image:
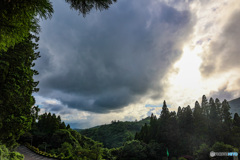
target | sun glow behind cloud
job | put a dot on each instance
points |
(185, 82)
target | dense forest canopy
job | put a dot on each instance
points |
(194, 131)
(115, 134)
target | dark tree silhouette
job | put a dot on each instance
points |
(85, 6)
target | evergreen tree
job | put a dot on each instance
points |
(205, 106)
(183, 133)
(179, 112)
(227, 122)
(200, 125)
(226, 115)
(218, 105)
(197, 113)
(165, 112)
(153, 126)
(163, 125)
(62, 126)
(214, 123)
(236, 120)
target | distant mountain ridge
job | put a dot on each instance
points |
(235, 106)
(114, 134)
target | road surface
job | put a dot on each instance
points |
(30, 155)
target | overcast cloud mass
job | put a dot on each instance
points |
(111, 64)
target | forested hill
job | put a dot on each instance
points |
(235, 106)
(115, 134)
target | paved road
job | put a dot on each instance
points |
(30, 155)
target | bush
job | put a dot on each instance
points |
(203, 152)
(5, 154)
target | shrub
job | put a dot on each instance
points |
(5, 154)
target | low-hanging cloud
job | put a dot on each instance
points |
(107, 60)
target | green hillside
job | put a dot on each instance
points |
(235, 106)
(115, 134)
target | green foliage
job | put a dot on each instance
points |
(221, 147)
(49, 123)
(65, 143)
(115, 134)
(134, 150)
(203, 152)
(19, 18)
(66, 149)
(184, 132)
(5, 154)
(17, 86)
(85, 6)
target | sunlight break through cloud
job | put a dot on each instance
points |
(186, 80)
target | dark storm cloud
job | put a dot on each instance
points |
(109, 59)
(56, 108)
(225, 52)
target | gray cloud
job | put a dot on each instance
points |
(225, 52)
(56, 108)
(222, 93)
(108, 60)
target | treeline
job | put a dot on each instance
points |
(193, 132)
(49, 134)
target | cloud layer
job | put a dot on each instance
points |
(224, 52)
(109, 59)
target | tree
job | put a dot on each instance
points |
(218, 105)
(186, 130)
(205, 106)
(200, 125)
(220, 146)
(62, 126)
(134, 150)
(153, 126)
(203, 152)
(179, 112)
(226, 115)
(17, 86)
(165, 112)
(162, 129)
(85, 6)
(235, 135)
(19, 18)
(236, 120)
(214, 125)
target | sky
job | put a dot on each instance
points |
(122, 63)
